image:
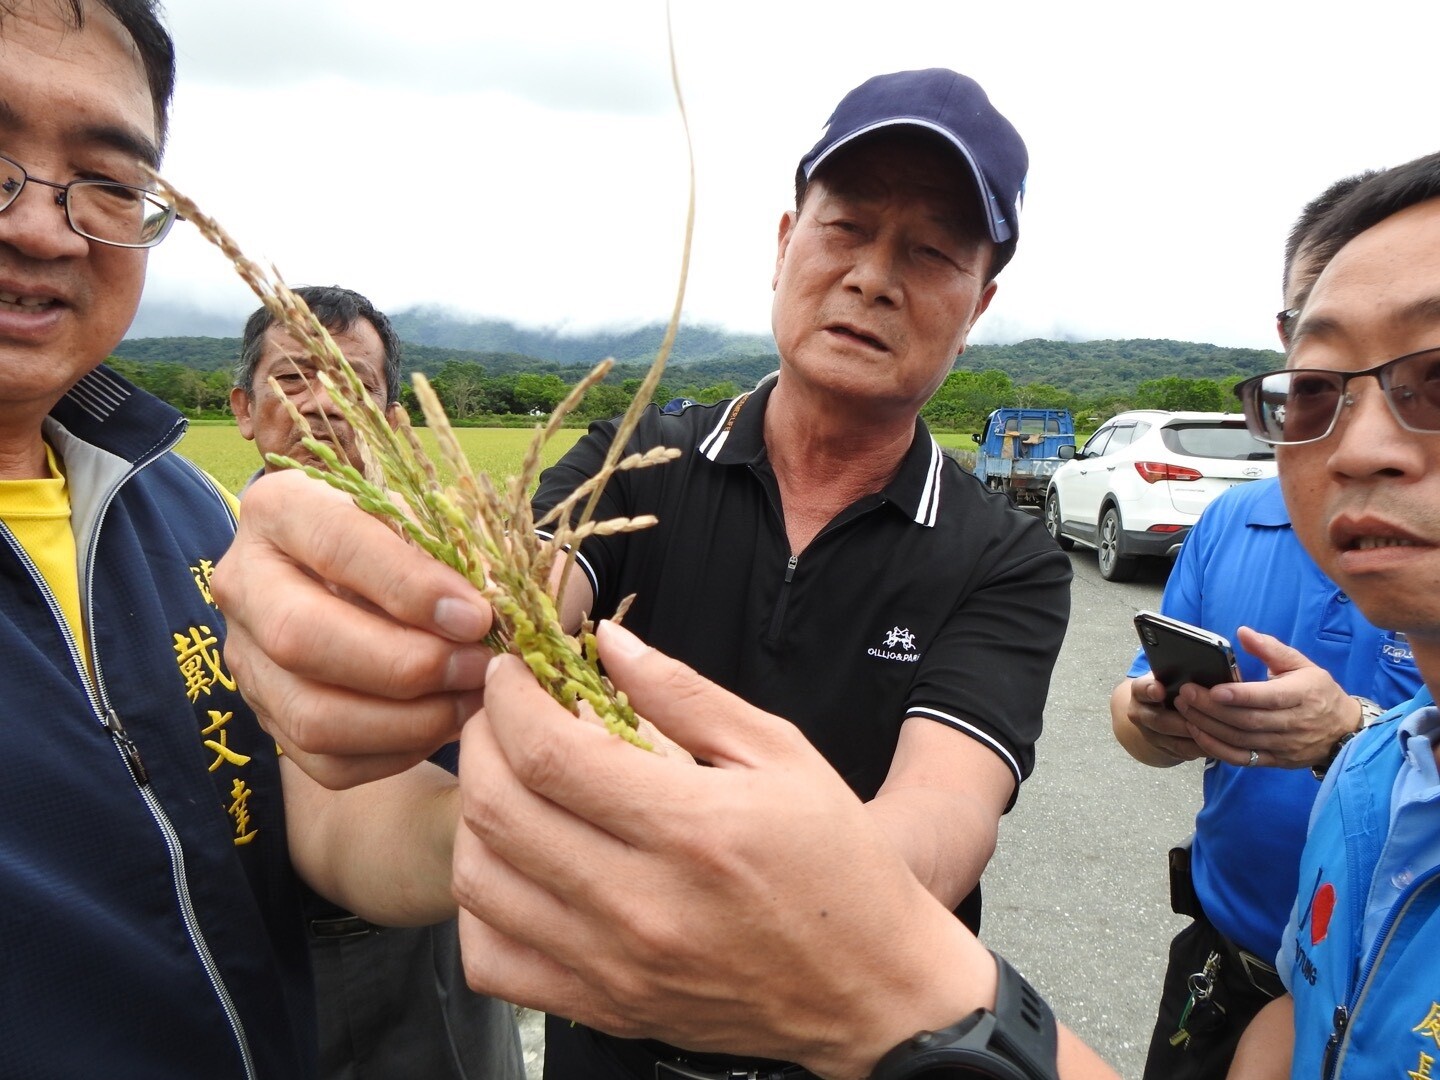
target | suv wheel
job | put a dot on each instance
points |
(1052, 522)
(1113, 565)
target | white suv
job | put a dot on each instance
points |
(1139, 483)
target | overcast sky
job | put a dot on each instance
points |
(525, 160)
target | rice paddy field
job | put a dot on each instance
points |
(218, 449)
(216, 446)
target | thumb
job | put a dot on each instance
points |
(707, 720)
(1277, 657)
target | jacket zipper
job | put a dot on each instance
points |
(109, 719)
(1344, 1016)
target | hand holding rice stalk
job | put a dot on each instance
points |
(487, 534)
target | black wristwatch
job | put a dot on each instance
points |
(1015, 1042)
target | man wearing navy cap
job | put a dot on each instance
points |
(816, 554)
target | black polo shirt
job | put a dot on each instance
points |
(931, 598)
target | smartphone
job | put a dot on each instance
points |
(1180, 653)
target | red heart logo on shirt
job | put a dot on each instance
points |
(1321, 908)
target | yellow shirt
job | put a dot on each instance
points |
(37, 512)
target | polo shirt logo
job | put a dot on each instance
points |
(895, 639)
(1396, 649)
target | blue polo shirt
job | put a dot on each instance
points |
(1241, 565)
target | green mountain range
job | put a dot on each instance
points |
(432, 337)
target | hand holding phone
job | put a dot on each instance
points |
(1179, 653)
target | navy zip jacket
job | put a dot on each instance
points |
(149, 915)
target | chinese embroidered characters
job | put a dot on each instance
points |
(198, 656)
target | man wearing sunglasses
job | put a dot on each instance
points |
(1355, 417)
(152, 835)
(1303, 651)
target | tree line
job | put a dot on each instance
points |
(472, 395)
(1090, 378)
(966, 398)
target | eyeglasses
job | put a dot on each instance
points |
(100, 210)
(1285, 322)
(1301, 405)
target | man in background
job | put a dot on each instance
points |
(391, 1001)
(267, 351)
(1314, 672)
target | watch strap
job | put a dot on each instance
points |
(1015, 1041)
(1025, 1026)
(1370, 711)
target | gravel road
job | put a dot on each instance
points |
(1077, 896)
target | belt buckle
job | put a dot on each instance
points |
(1255, 968)
(666, 1069)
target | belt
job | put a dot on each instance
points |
(345, 926)
(645, 1058)
(1261, 976)
(668, 1070)
(1183, 901)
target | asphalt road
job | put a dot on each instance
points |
(1076, 896)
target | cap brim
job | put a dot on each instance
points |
(1000, 228)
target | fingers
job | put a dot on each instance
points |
(1146, 689)
(335, 673)
(547, 792)
(292, 521)
(1292, 720)
(292, 623)
(314, 720)
(711, 723)
(1277, 656)
(1160, 727)
(526, 936)
(1229, 752)
(504, 968)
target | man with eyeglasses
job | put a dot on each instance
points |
(152, 835)
(1314, 671)
(1354, 418)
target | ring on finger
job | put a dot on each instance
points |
(1254, 759)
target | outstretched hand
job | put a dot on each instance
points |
(357, 651)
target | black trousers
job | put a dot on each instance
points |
(1205, 1056)
(393, 1005)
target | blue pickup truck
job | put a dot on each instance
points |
(1020, 449)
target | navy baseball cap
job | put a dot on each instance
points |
(954, 107)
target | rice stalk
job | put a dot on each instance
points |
(484, 530)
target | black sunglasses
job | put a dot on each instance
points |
(1301, 405)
